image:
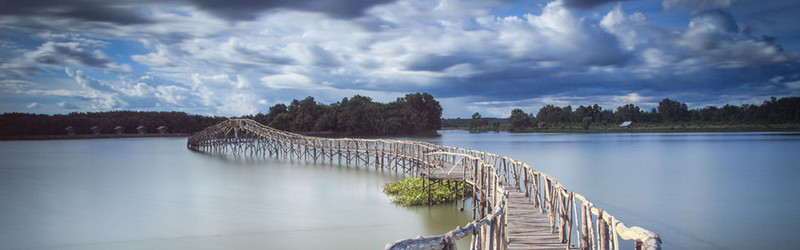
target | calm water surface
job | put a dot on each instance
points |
(155, 194)
(698, 191)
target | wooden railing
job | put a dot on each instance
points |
(490, 175)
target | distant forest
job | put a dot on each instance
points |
(669, 112)
(20, 124)
(414, 114)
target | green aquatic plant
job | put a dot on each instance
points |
(410, 191)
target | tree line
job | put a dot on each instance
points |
(414, 114)
(21, 124)
(773, 111)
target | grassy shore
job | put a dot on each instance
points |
(409, 191)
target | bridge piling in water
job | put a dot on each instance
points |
(514, 206)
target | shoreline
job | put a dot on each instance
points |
(655, 129)
(570, 130)
(83, 137)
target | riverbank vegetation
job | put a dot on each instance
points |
(414, 114)
(410, 191)
(670, 116)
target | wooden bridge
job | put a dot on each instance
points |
(514, 206)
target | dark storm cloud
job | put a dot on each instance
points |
(700, 4)
(323, 57)
(127, 12)
(59, 53)
(239, 10)
(438, 63)
(118, 12)
(716, 36)
(588, 4)
(264, 58)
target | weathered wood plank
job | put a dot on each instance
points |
(527, 227)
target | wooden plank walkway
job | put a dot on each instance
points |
(447, 172)
(527, 227)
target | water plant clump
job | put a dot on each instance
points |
(410, 191)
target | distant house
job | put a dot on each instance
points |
(70, 130)
(95, 130)
(119, 130)
(626, 124)
(541, 124)
(141, 130)
(162, 130)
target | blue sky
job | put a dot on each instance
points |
(240, 57)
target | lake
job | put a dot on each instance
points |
(153, 193)
(697, 190)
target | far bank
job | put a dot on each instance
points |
(647, 128)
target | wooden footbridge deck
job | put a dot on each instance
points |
(527, 227)
(514, 206)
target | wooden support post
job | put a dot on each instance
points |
(570, 209)
(585, 228)
(475, 190)
(491, 233)
(602, 231)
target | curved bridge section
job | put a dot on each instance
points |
(515, 207)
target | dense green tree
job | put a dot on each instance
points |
(594, 113)
(358, 115)
(519, 120)
(427, 112)
(549, 114)
(274, 111)
(629, 112)
(283, 121)
(417, 113)
(673, 111)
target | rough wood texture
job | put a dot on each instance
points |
(527, 227)
(515, 206)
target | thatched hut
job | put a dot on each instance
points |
(119, 130)
(141, 130)
(70, 130)
(162, 130)
(95, 130)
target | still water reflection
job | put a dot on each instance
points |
(154, 193)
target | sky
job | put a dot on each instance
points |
(239, 57)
